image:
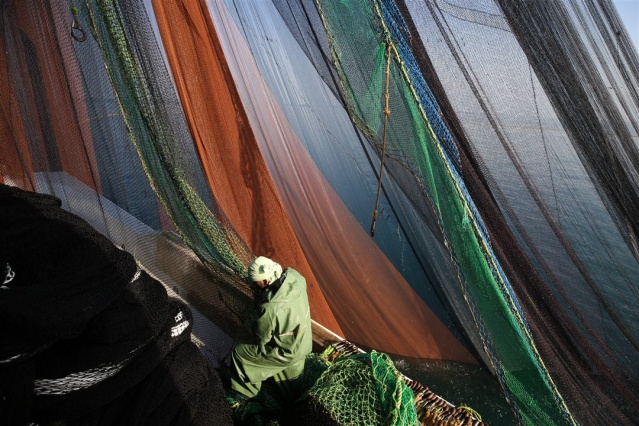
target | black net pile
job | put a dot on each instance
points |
(89, 337)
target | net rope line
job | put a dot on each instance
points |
(490, 257)
(83, 379)
(385, 125)
(77, 31)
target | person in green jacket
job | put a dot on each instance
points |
(283, 331)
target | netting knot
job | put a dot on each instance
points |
(77, 32)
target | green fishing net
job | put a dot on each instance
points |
(357, 389)
(362, 389)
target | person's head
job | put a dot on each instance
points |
(263, 271)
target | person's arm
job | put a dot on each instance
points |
(265, 325)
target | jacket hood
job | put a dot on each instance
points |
(291, 288)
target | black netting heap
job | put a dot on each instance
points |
(88, 337)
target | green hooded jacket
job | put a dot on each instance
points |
(283, 329)
(284, 323)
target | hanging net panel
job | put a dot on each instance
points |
(235, 169)
(385, 104)
(554, 221)
(148, 119)
(520, 154)
(353, 274)
(91, 117)
(108, 141)
(411, 241)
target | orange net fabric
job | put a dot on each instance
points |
(225, 143)
(372, 302)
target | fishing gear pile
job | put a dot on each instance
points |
(343, 385)
(88, 337)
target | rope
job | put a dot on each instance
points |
(386, 114)
(77, 32)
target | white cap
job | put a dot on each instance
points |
(263, 268)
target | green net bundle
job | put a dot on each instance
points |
(338, 387)
(359, 389)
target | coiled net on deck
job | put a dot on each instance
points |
(360, 389)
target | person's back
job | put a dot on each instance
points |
(285, 318)
(283, 330)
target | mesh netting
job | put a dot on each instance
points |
(107, 142)
(161, 138)
(339, 250)
(517, 153)
(344, 386)
(564, 250)
(373, 71)
(360, 389)
(510, 166)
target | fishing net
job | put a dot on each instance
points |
(225, 143)
(565, 252)
(353, 274)
(162, 140)
(503, 169)
(344, 386)
(78, 122)
(106, 142)
(359, 389)
(385, 104)
(572, 230)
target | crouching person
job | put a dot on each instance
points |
(283, 330)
